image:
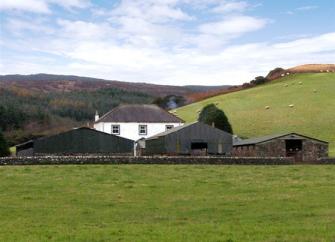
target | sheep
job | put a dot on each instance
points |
(287, 73)
(291, 105)
(315, 91)
(267, 107)
(282, 75)
(300, 83)
(327, 70)
(286, 85)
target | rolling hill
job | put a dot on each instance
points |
(67, 83)
(311, 94)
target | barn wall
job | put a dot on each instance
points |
(155, 146)
(312, 150)
(179, 142)
(82, 141)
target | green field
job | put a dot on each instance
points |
(313, 113)
(167, 203)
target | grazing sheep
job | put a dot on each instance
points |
(291, 105)
(300, 83)
(267, 107)
(287, 73)
(315, 91)
(282, 74)
(286, 85)
(327, 70)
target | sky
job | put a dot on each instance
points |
(170, 42)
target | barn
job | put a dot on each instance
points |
(302, 148)
(190, 139)
(77, 141)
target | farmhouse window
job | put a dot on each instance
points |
(142, 129)
(168, 127)
(115, 129)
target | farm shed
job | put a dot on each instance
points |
(77, 141)
(190, 139)
(300, 147)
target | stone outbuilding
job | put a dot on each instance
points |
(79, 141)
(302, 148)
(190, 139)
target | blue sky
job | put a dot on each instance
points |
(179, 42)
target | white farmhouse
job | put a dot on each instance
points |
(136, 121)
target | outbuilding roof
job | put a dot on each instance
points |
(178, 128)
(262, 139)
(139, 113)
(170, 131)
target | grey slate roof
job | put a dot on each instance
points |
(262, 139)
(139, 113)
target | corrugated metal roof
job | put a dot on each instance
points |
(262, 139)
(175, 129)
(139, 113)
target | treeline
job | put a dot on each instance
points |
(22, 112)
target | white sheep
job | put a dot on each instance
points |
(267, 107)
(291, 105)
(300, 83)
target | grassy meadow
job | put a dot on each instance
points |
(313, 114)
(167, 203)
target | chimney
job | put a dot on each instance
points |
(96, 117)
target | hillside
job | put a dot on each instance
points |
(307, 68)
(312, 95)
(68, 83)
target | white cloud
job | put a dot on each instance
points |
(36, 6)
(307, 8)
(226, 7)
(155, 11)
(83, 30)
(40, 6)
(36, 25)
(235, 26)
(302, 9)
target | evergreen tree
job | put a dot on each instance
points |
(4, 150)
(210, 115)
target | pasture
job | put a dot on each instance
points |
(304, 103)
(167, 203)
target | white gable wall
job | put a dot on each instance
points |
(131, 130)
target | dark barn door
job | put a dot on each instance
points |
(199, 148)
(294, 149)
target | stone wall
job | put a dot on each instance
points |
(64, 160)
(326, 161)
(312, 150)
